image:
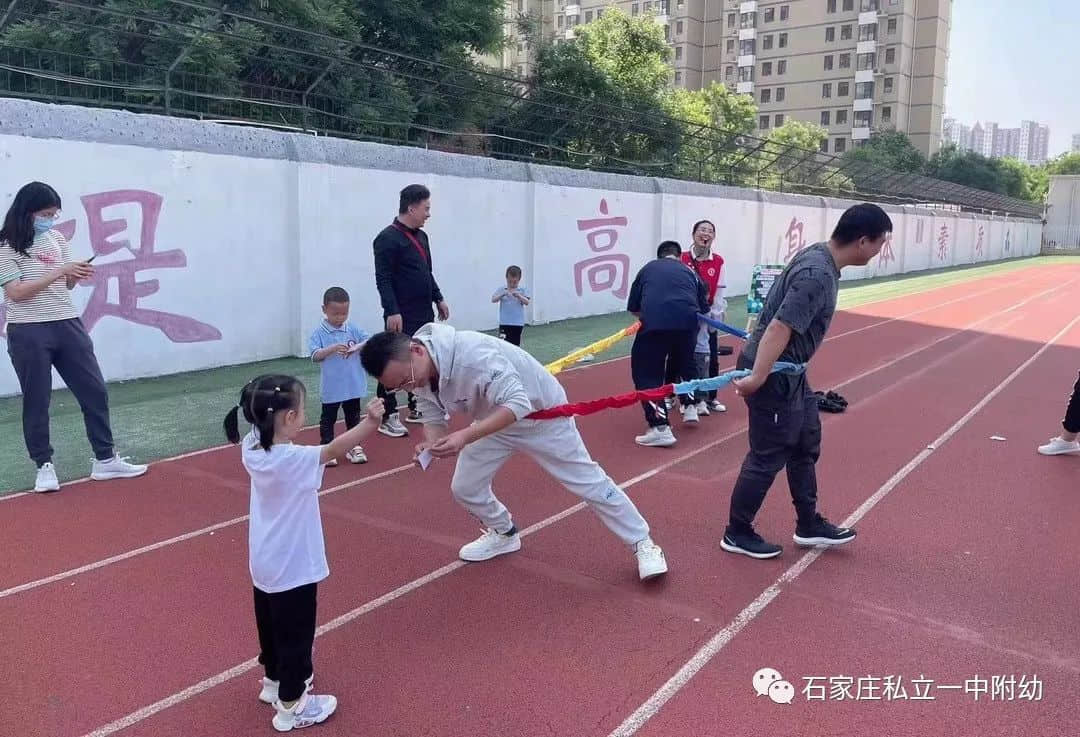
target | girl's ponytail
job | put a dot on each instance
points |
(231, 425)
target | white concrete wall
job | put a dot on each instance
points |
(252, 226)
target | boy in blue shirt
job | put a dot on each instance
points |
(335, 346)
(512, 299)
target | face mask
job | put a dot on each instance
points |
(43, 225)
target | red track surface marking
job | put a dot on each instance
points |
(462, 653)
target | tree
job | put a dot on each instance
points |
(193, 59)
(889, 149)
(717, 119)
(791, 156)
(1064, 164)
(598, 98)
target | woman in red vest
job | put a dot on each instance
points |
(710, 268)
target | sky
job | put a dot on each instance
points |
(1002, 68)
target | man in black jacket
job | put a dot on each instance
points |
(407, 286)
(667, 296)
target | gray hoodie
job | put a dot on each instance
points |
(479, 373)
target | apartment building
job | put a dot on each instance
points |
(852, 66)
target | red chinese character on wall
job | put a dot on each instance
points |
(796, 240)
(609, 271)
(943, 242)
(178, 328)
(886, 254)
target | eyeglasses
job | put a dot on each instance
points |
(411, 383)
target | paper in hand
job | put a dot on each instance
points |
(424, 459)
(354, 348)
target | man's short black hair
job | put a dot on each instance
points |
(381, 349)
(335, 295)
(412, 195)
(668, 248)
(862, 221)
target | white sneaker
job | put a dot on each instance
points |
(269, 693)
(307, 711)
(715, 406)
(356, 455)
(393, 427)
(46, 479)
(657, 437)
(489, 545)
(650, 560)
(117, 468)
(1057, 446)
(703, 409)
(690, 413)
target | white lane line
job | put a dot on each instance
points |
(390, 472)
(178, 539)
(148, 711)
(664, 694)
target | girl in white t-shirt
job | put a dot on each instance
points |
(285, 538)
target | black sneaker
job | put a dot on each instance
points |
(822, 532)
(750, 544)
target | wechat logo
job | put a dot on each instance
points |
(769, 682)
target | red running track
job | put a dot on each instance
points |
(955, 574)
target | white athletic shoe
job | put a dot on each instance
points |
(489, 545)
(716, 406)
(309, 710)
(393, 427)
(116, 468)
(703, 409)
(356, 455)
(269, 693)
(690, 413)
(650, 560)
(1057, 446)
(657, 437)
(46, 479)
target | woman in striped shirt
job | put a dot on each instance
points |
(44, 331)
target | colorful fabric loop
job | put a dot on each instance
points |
(598, 347)
(717, 325)
(655, 395)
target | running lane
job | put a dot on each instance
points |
(562, 635)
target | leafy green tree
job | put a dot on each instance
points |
(598, 98)
(791, 157)
(194, 59)
(716, 121)
(889, 149)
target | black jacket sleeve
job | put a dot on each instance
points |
(386, 257)
(436, 293)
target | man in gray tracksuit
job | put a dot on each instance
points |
(498, 384)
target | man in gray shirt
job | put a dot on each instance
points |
(785, 429)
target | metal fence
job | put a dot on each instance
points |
(189, 59)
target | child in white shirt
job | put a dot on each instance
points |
(285, 538)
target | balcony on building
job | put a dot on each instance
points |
(574, 9)
(745, 88)
(662, 12)
(747, 34)
(863, 105)
(860, 134)
(746, 61)
(748, 7)
(866, 47)
(868, 12)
